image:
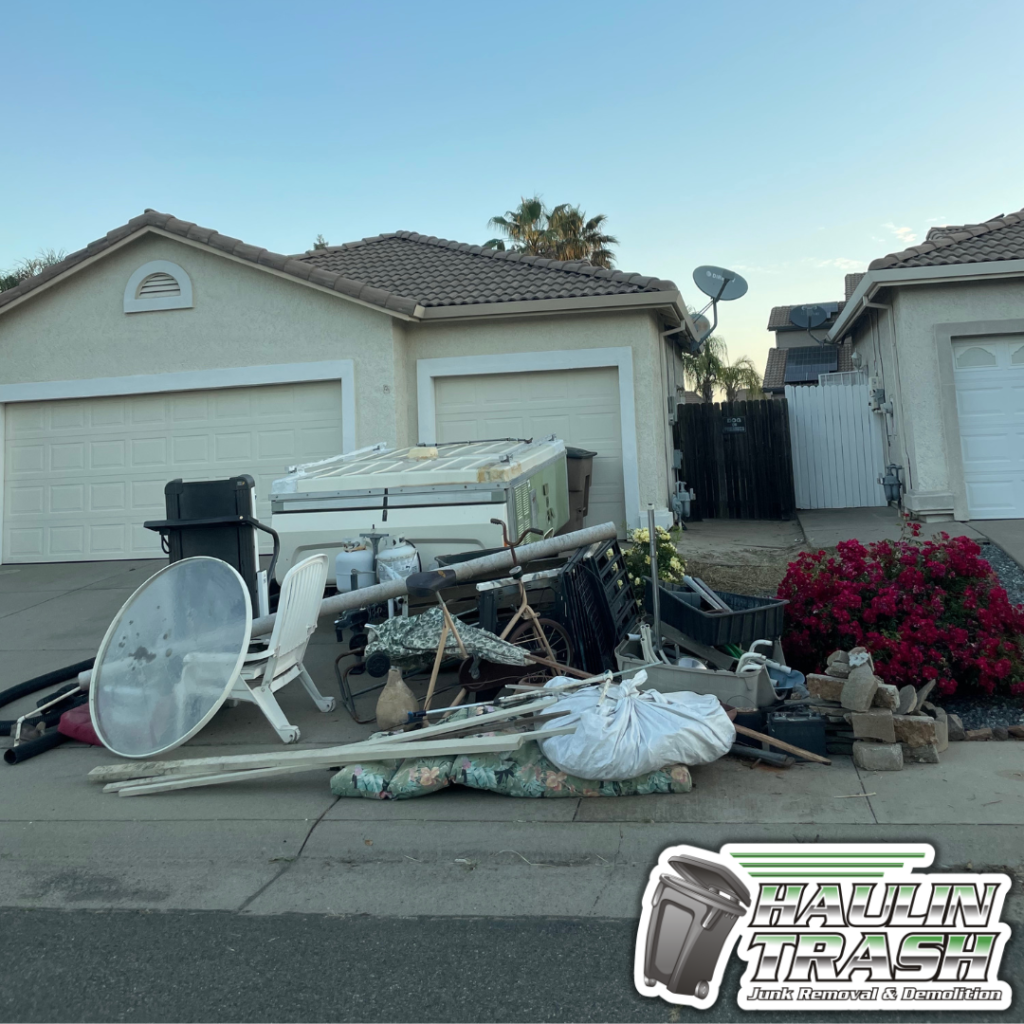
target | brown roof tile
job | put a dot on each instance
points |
(778, 319)
(400, 271)
(1001, 238)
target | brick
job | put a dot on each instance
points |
(978, 734)
(908, 700)
(825, 687)
(877, 757)
(956, 728)
(875, 724)
(838, 670)
(859, 690)
(927, 753)
(914, 730)
(886, 696)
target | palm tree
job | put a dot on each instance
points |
(739, 376)
(573, 237)
(29, 267)
(703, 368)
(564, 233)
(525, 227)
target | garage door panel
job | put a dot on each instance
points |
(990, 402)
(580, 406)
(67, 497)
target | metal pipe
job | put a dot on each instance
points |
(497, 562)
(656, 598)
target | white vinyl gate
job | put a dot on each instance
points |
(837, 447)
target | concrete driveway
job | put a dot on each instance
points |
(289, 845)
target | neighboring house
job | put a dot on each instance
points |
(799, 357)
(168, 350)
(940, 329)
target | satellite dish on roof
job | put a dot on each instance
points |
(720, 284)
(807, 317)
(702, 325)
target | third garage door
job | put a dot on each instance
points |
(989, 376)
(579, 406)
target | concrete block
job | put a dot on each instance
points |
(838, 670)
(860, 689)
(908, 700)
(927, 753)
(874, 724)
(838, 657)
(1016, 731)
(886, 696)
(941, 734)
(877, 757)
(978, 734)
(925, 692)
(860, 656)
(1000, 732)
(914, 730)
(825, 687)
(956, 728)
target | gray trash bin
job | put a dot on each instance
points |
(691, 917)
(579, 464)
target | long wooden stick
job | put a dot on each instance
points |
(788, 747)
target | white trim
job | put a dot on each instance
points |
(183, 300)
(895, 276)
(187, 380)
(3, 470)
(528, 362)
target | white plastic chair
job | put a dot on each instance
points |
(298, 609)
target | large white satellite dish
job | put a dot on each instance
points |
(170, 658)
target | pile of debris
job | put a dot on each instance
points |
(882, 726)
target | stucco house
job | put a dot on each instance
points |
(168, 350)
(939, 328)
(799, 355)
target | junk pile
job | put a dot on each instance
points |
(881, 726)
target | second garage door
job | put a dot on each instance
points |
(989, 375)
(579, 406)
(81, 475)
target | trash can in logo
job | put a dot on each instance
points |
(692, 914)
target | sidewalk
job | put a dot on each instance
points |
(826, 527)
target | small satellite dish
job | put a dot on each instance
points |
(808, 317)
(720, 284)
(170, 657)
(702, 324)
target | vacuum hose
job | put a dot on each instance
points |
(23, 751)
(60, 675)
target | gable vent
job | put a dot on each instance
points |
(162, 285)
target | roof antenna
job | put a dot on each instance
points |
(720, 285)
(807, 318)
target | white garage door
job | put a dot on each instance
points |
(82, 475)
(579, 406)
(989, 375)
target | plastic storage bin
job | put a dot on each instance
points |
(691, 918)
(751, 618)
(746, 690)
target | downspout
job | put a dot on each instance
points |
(901, 433)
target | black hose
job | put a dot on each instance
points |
(60, 675)
(23, 751)
(70, 688)
(48, 718)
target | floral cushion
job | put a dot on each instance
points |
(525, 772)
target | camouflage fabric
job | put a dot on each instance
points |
(525, 772)
(411, 643)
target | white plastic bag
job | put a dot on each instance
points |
(623, 732)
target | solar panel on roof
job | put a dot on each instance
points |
(803, 365)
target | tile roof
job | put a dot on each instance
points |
(775, 368)
(778, 319)
(441, 273)
(402, 271)
(1001, 238)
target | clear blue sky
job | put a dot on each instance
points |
(794, 141)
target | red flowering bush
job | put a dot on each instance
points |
(925, 610)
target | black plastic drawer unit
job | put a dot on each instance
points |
(691, 918)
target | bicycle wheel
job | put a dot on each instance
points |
(525, 635)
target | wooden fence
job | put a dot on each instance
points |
(737, 456)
